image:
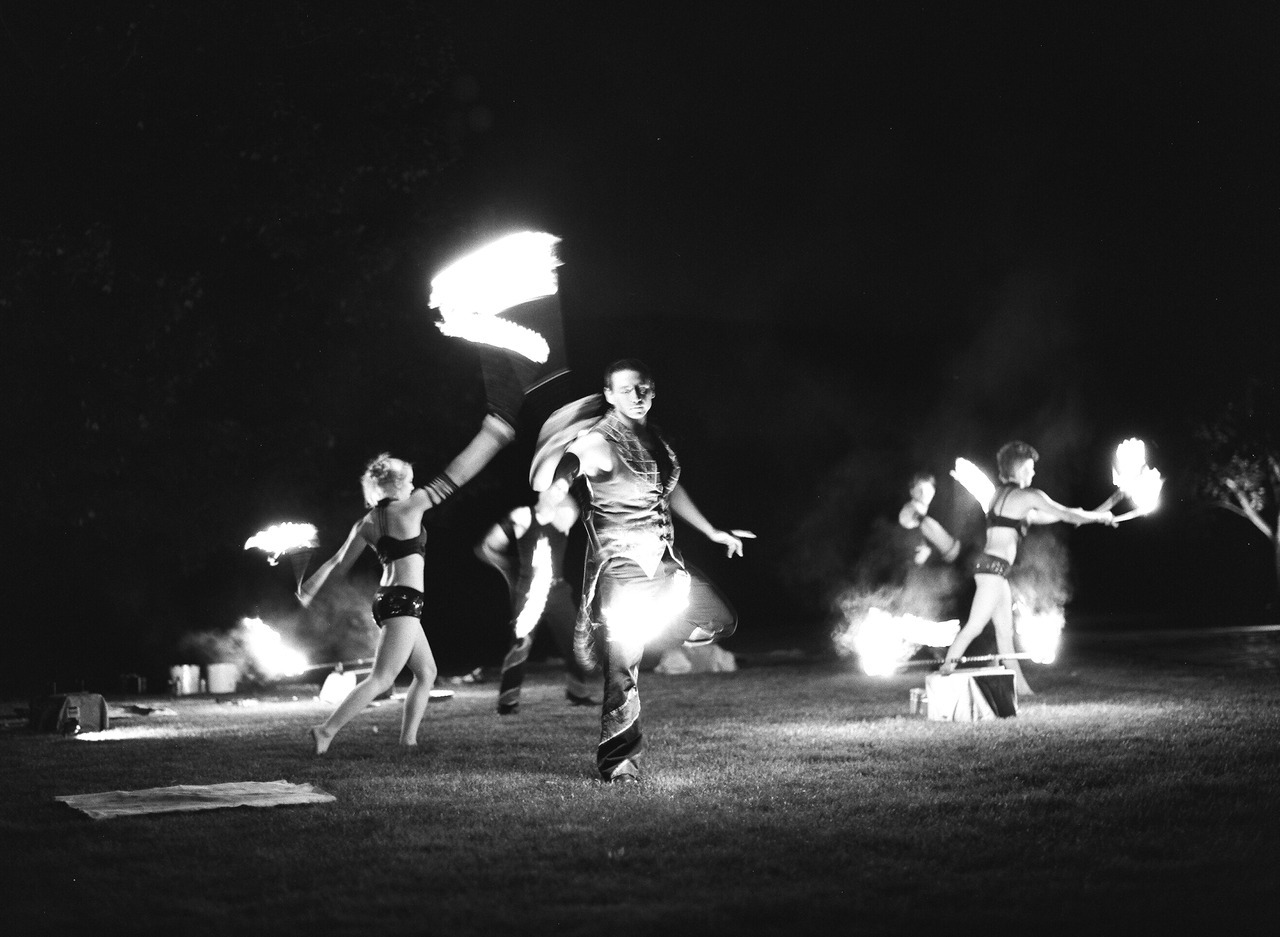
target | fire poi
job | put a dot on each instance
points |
(290, 539)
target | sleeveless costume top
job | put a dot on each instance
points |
(390, 549)
(995, 519)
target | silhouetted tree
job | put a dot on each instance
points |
(1241, 448)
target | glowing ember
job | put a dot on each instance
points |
(471, 292)
(1040, 633)
(269, 651)
(639, 621)
(539, 587)
(975, 482)
(884, 642)
(281, 539)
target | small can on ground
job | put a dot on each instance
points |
(917, 702)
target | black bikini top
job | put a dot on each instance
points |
(999, 520)
(391, 548)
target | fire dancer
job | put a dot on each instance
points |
(635, 579)
(539, 592)
(393, 528)
(1014, 508)
(925, 534)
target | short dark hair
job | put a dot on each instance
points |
(1010, 454)
(919, 477)
(627, 364)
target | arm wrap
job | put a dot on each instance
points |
(440, 488)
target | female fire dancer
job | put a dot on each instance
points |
(1014, 507)
(393, 528)
(632, 566)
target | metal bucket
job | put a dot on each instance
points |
(223, 678)
(184, 679)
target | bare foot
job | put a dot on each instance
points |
(320, 738)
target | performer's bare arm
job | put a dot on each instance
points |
(948, 547)
(341, 563)
(682, 506)
(495, 434)
(1044, 510)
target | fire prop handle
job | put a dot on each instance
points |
(970, 660)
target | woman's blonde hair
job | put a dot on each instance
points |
(383, 477)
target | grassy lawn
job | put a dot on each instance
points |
(1136, 792)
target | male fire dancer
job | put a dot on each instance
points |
(635, 579)
(527, 546)
(925, 534)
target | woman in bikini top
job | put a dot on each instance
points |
(1016, 506)
(393, 529)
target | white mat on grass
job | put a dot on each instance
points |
(196, 797)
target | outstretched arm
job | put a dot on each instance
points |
(948, 547)
(341, 562)
(495, 435)
(1044, 510)
(682, 506)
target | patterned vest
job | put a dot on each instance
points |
(630, 513)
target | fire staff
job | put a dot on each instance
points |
(635, 582)
(1014, 507)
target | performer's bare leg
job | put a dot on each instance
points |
(989, 592)
(395, 646)
(422, 664)
(1002, 617)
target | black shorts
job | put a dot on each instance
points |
(397, 602)
(992, 565)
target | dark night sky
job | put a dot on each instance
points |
(852, 241)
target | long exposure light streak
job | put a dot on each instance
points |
(471, 292)
(975, 481)
(539, 588)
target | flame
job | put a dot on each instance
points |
(884, 641)
(539, 587)
(1131, 458)
(640, 620)
(975, 482)
(1145, 490)
(269, 651)
(487, 330)
(280, 539)
(1039, 632)
(471, 292)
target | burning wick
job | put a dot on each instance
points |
(539, 587)
(884, 641)
(269, 651)
(1144, 492)
(638, 621)
(975, 482)
(471, 292)
(282, 539)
